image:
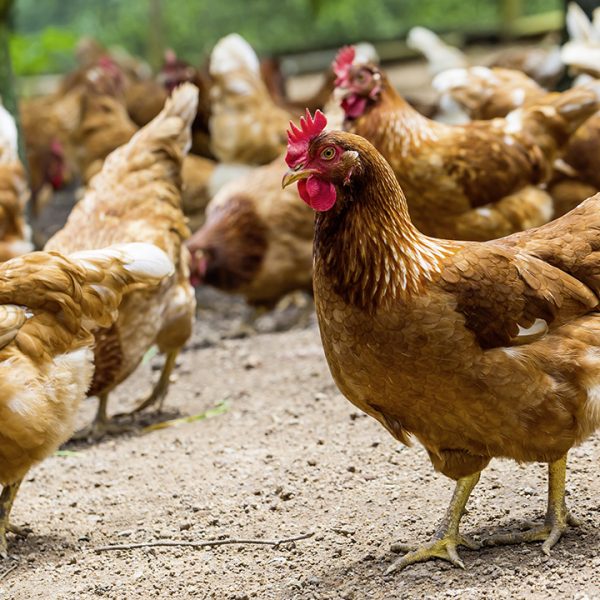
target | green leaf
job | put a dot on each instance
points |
(220, 409)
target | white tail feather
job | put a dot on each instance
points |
(141, 260)
(233, 53)
(440, 55)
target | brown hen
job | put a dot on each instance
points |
(476, 350)
(475, 181)
(137, 197)
(246, 126)
(49, 307)
(257, 239)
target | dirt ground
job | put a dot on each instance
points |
(285, 455)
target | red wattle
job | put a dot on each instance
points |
(354, 105)
(318, 194)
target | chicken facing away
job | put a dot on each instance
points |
(50, 305)
(257, 239)
(476, 181)
(14, 193)
(246, 126)
(137, 197)
(477, 350)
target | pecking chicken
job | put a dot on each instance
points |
(14, 193)
(256, 241)
(476, 349)
(246, 126)
(475, 181)
(137, 197)
(50, 305)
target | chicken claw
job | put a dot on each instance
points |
(159, 393)
(557, 519)
(101, 425)
(447, 537)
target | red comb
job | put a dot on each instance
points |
(300, 138)
(342, 63)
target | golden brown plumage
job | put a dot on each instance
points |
(477, 350)
(257, 239)
(137, 197)
(105, 125)
(487, 93)
(246, 126)
(461, 181)
(49, 306)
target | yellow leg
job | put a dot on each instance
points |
(557, 516)
(7, 499)
(447, 537)
(159, 393)
(101, 424)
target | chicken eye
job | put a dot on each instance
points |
(328, 153)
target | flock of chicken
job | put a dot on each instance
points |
(478, 349)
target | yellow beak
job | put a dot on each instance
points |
(292, 176)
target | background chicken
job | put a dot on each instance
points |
(137, 197)
(105, 124)
(49, 307)
(474, 181)
(246, 126)
(543, 64)
(257, 239)
(14, 193)
(477, 350)
(483, 94)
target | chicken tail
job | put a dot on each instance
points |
(553, 119)
(85, 288)
(233, 53)
(115, 270)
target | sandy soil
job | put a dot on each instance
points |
(287, 455)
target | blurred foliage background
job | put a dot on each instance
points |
(46, 31)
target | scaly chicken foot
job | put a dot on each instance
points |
(159, 393)
(557, 519)
(7, 499)
(101, 425)
(447, 537)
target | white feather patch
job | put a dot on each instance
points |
(233, 53)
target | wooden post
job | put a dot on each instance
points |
(156, 38)
(510, 11)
